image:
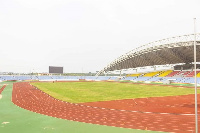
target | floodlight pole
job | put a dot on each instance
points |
(195, 72)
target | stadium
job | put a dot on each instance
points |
(160, 99)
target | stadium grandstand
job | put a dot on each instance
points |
(179, 76)
(171, 51)
(176, 52)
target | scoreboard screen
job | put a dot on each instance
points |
(55, 69)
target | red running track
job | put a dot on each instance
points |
(30, 98)
(179, 105)
(1, 90)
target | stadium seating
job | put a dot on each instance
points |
(129, 78)
(182, 73)
(159, 76)
(44, 77)
(172, 74)
(23, 77)
(89, 78)
(198, 74)
(155, 79)
(103, 78)
(191, 74)
(59, 77)
(142, 79)
(189, 80)
(72, 78)
(133, 75)
(165, 73)
(5, 78)
(113, 78)
(151, 74)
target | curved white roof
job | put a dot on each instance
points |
(172, 50)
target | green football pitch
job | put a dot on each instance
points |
(80, 92)
(14, 119)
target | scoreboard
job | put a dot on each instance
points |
(55, 69)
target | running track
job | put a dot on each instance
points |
(28, 97)
(2, 88)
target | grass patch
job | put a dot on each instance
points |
(79, 92)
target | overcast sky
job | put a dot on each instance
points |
(85, 35)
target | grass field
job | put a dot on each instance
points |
(79, 92)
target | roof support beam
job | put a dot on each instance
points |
(174, 54)
(180, 55)
(160, 55)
